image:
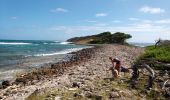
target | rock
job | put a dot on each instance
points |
(14, 91)
(167, 92)
(167, 84)
(126, 93)
(115, 89)
(21, 80)
(72, 89)
(89, 78)
(87, 94)
(75, 84)
(6, 83)
(6, 94)
(114, 95)
(77, 95)
(71, 73)
(57, 98)
(1, 87)
(159, 80)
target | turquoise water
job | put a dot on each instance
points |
(19, 55)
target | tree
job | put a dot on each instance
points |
(120, 37)
(101, 38)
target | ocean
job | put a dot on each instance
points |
(17, 56)
(141, 44)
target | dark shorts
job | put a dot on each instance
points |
(123, 69)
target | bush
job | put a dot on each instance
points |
(161, 53)
(120, 38)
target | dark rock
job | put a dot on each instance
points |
(1, 87)
(21, 80)
(71, 73)
(6, 83)
(6, 94)
(77, 95)
(167, 85)
(167, 93)
(75, 84)
(160, 80)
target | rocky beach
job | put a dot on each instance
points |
(83, 75)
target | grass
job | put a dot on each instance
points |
(100, 90)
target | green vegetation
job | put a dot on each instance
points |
(105, 37)
(158, 57)
(160, 53)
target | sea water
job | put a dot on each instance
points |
(22, 55)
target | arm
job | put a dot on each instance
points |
(112, 61)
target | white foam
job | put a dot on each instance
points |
(61, 52)
(10, 71)
(13, 43)
(65, 42)
(9, 74)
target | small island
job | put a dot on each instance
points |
(102, 38)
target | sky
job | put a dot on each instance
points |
(145, 20)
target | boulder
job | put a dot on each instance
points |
(6, 83)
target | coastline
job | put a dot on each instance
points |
(13, 65)
(90, 62)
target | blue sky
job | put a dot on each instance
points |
(145, 20)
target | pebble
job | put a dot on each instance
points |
(57, 98)
(114, 95)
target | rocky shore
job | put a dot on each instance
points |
(84, 75)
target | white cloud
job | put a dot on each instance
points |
(133, 19)
(147, 21)
(116, 21)
(13, 17)
(151, 10)
(141, 31)
(165, 21)
(101, 14)
(158, 22)
(136, 27)
(59, 10)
